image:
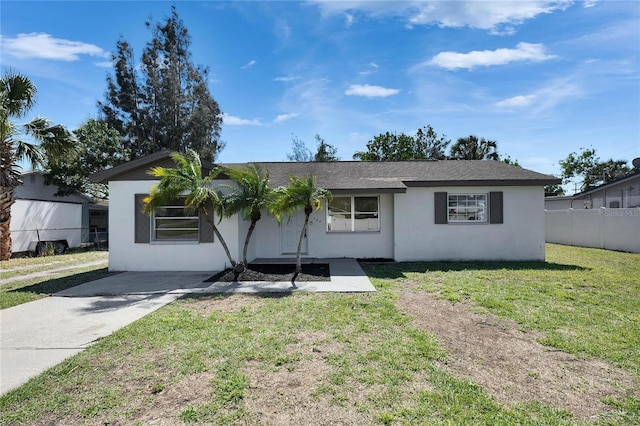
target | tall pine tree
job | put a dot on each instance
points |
(164, 103)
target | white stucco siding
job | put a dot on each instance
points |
(520, 237)
(126, 255)
(267, 238)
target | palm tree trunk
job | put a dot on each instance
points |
(246, 242)
(299, 252)
(6, 201)
(222, 241)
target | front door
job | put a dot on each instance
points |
(290, 234)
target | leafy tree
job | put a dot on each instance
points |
(99, 147)
(553, 190)
(472, 148)
(300, 150)
(431, 144)
(186, 181)
(325, 151)
(301, 193)
(508, 160)
(164, 103)
(251, 197)
(425, 145)
(17, 97)
(590, 170)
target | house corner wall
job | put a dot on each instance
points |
(520, 237)
(126, 255)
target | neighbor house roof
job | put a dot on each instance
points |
(608, 184)
(391, 176)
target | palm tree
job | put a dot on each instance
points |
(17, 97)
(251, 196)
(186, 181)
(472, 148)
(301, 193)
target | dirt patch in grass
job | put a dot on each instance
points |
(207, 305)
(276, 273)
(288, 395)
(511, 364)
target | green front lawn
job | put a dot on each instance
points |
(324, 358)
(71, 273)
(586, 301)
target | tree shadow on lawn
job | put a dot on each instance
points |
(58, 284)
(395, 270)
(223, 296)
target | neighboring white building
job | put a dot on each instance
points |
(622, 193)
(406, 211)
(40, 215)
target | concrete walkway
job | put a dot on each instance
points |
(36, 336)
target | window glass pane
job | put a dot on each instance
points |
(340, 219)
(177, 223)
(366, 204)
(366, 222)
(340, 205)
(339, 222)
(172, 212)
(178, 234)
(467, 207)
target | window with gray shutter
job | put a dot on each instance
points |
(495, 207)
(440, 204)
(142, 230)
(206, 231)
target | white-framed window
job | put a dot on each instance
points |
(175, 223)
(353, 214)
(467, 208)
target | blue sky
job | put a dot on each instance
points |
(542, 78)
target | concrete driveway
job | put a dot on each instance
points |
(37, 335)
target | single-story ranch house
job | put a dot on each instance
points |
(406, 211)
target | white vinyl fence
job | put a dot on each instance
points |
(612, 229)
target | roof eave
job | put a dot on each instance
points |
(484, 182)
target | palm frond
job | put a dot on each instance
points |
(30, 152)
(17, 95)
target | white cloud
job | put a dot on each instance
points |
(372, 68)
(104, 64)
(370, 91)
(233, 120)
(517, 101)
(249, 64)
(522, 52)
(348, 19)
(590, 3)
(499, 17)
(546, 98)
(286, 78)
(284, 117)
(44, 46)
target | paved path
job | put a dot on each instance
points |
(36, 336)
(40, 334)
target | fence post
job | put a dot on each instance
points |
(603, 210)
(570, 213)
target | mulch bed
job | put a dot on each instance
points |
(276, 272)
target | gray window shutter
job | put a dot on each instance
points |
(440, 203)
(206, 231)
(495, 207)
(142, 232)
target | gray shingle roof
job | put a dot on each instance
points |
(364, 176)
(395, 176)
